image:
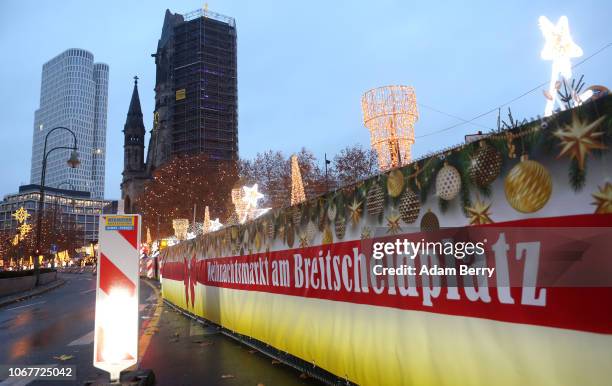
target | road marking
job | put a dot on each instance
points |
(145, 338)
(89, 290)
(27, 305)
(23, 381)
(84, 340)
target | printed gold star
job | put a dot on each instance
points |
(479, 213)
(21, 215)
(303, 241)
(366, 233)
(355, 211)
(603, 199)
(393, 223)
(579, 138)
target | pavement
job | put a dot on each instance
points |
(14, 298)
(55, 328)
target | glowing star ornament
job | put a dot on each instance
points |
(206, 224)
(251, 196)
(215, 225)
(559, 48)
(21, 215)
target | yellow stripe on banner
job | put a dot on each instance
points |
(385, 346)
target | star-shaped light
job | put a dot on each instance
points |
(479, 213)
(251, 196)
(603, 199)
(559, 46)
(24, 229)
(579, 138)
(21, 215)
(215, 225)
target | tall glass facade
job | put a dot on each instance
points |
(73, 94)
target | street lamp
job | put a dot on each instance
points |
(73, 162)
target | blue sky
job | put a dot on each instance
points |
(302, 66)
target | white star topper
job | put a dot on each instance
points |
(215, 225)
(560, 48)
(251, 196)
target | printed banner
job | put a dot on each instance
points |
(477, 267)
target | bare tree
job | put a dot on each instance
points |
(353, 164)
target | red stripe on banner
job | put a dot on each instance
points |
(572, 287)
(112, 277)
(131, 236)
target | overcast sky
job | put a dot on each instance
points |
(302, 65)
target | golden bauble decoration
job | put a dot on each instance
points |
(528, 186)
(448, 182)
(410, 206)
(395, 183)
(485, 165)
(328, 236)
(375, 200)
(430, 222)
(603, 199)
(257, 241)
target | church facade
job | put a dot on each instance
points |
(196, 100)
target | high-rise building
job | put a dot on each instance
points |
(196, 88)
(196, 96)
(73, 94)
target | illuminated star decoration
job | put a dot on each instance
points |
(393, 223)
(578, 139)
(479, 213)
(24, 229)
(603, 199)
(559, 48)
(250, 197)
(21, 215)
(215, 225)
(355, 211)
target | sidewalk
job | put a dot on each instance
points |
(6, 300)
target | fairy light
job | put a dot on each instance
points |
(297, 186)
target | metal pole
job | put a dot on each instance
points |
(41, 198)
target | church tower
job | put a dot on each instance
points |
(134, 170)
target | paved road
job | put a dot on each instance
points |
(59, 324)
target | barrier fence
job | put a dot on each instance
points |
(475, 266)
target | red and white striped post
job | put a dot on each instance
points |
(116, 322)
(150, 272)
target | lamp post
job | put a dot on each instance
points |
(73, 162)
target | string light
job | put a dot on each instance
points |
(297, 186)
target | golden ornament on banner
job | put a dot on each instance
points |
(579, 139)
(395, 183)
(328, 236)
(479, 213)
(603, 199)
(528, 186)
(430, 222)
